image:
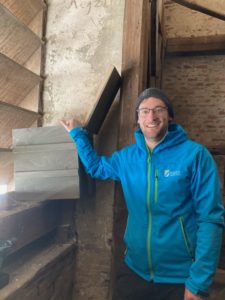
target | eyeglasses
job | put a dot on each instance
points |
(144, 112)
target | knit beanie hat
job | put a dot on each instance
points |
(156, 93)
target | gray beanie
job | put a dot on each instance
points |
(156, 93)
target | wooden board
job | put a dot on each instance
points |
(24, 10)
(105, 97)
(27, 223)
(13, 117)
(134, 74)
(17, 41)
(214, 8)
(45, 161)
(6, 166)
(16, 82)
(195, 44)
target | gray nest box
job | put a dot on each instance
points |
(45, 158)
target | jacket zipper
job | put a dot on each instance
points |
(185, 237)
(149, 216)
(125, 252)
(156, 186)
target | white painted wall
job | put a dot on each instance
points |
(83, 38)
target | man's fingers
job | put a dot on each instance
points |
(65, 124)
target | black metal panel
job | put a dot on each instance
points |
(104, 101)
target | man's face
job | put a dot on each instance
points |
(153, 123)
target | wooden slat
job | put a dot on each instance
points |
(159, 42)
(13, 117)
(6, 165)
(24, 10)
(37, 24)
(45, 160)
(31, 101)
(27, 223)
(47, 267)
(15, 81)
(215, 8)
(17, 41)
(195, 44)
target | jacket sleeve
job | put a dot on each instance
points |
(97, 166)
(206, 191)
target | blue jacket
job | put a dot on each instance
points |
(175, 212)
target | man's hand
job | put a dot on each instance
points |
(70, 124)
(189, 296)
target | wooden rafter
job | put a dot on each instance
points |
(191, 45)
(134, 75)
(215, 8)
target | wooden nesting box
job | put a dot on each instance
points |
(46, 162)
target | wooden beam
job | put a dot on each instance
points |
(17, 220)
(6, 107)
(46, 274)
(160, 42)
(195, 44)
(134, 63)
(134, 75)
(215, 8)
(6, 165)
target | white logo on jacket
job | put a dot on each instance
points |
(169, 173)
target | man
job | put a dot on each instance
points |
(175, 213)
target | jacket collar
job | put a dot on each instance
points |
(176, 135)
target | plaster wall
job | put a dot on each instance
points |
(83, 38)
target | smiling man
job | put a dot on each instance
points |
(175, 212)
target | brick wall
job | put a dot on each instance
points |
(196, 88)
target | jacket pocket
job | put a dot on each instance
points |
(186, 239)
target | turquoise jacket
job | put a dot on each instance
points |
(175, 212)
